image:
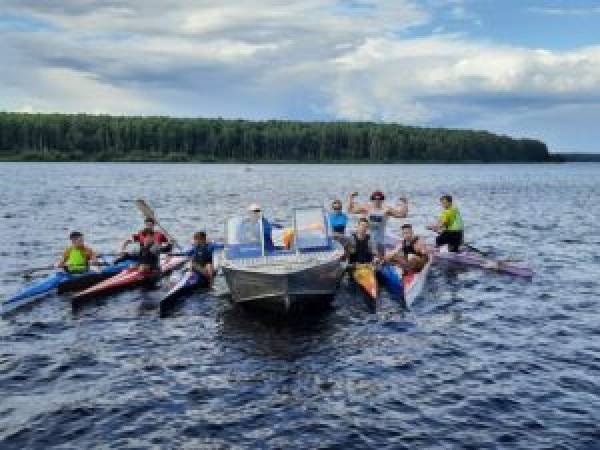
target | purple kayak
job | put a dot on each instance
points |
(474, 259)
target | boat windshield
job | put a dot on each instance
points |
(311, 229)
(243, 237)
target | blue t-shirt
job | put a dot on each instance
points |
(338, 221)
(202, 254)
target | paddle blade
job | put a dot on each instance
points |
(145, 209)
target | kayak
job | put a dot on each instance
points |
(414, 282)
(61, 281)
(186, 283)
(364, 276)
(403, 286)
(390, 276)
(128, 278)
(475, 259)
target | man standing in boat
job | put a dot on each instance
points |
(377, 216)
(410, 253)
(450, 227)
(255, 214)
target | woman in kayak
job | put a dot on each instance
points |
(377, 215)
(77, 257)
(410, 253)
(450, 227)
(201, 256)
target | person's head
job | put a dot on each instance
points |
(200, 237)
(363, 226)
(336, 205)
(254, 209)
(149, 224)
(407, 231)
(377, 197)
(446, 201)
(76, 238)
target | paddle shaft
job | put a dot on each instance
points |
(149, 213)
(27, 272)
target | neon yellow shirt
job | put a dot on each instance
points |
(451, 219)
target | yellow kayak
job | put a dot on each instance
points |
(364, 275)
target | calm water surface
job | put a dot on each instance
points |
(482, 360)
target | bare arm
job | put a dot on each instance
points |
(400, 211)
(354, 208)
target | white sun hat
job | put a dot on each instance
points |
(254, 207)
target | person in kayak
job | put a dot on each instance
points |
(410, 253)
(77, 257)
(151, 244)
(377, 215)
(450, 227)
(337, 219)
(361, 248)
(201, 256)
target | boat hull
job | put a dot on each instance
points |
(287, 289)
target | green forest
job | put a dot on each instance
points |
(83, 137)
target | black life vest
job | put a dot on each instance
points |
(149, 255)
(202, 255)
(408, 247)
(362, 253)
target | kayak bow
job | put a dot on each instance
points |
(61, 281)
(186, 283)
(364, 276)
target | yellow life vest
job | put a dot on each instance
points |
(77, 260)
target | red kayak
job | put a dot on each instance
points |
(131, 277)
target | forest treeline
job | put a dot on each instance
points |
(83, 137)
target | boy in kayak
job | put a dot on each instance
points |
(377, 215)
(361, 249)
(450, 227)
(151, 244)
(410, 253)
(77, 257)
(201, 256)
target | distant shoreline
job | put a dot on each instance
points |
(291, 162)
(95, 138)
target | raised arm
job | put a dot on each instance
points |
(400, 211)
(354, 208)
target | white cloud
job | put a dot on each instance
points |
(272, 58)
(573, 11)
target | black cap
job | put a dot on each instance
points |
(75, 235)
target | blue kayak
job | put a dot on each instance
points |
(391, 277)
(188, 281)
(63, 282)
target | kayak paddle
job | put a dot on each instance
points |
(149, 213)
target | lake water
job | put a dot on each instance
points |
(482, 360)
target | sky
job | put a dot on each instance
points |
(526, 68)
